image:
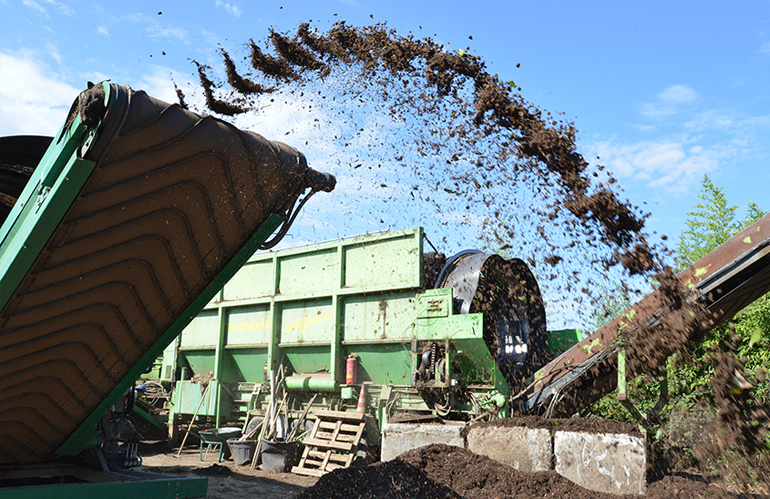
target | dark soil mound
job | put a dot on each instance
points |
(391, 480)
(440, 471)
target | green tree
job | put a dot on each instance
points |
(710, 224)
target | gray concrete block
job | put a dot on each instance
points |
(523, 448)
(398, 438)
(611, 463)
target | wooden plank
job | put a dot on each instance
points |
(304, 457)
(336, 431)
(347, 416)
(315, 442)
(327, 425)
(357, 440)
(308, 472)
(326, 460)
(316, 427)
(342, 437)
(316, 463)
(333, 457)
(359, 434)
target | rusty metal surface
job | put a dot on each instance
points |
(725, 281)
(172, 199)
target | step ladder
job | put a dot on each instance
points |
(334, 442)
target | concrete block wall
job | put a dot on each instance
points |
(611, 463)
(525, 449)
(398, 438)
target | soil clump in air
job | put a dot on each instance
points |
(577, 208)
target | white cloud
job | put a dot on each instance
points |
(159, 83)
(643, 128)
(231, 9)
(36, 6)
(53, 51)
(671, 166)
(712, 119)
(678, 93)
(765, 48)
(63, 8)
(153, 27)
(35, 101)
(102, 31)
(669, 101)
(168, 32)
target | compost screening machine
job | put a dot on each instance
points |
(115, 233)
(374, 324)
(129, 256)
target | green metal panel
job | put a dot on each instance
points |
(200, 361)
(394, 261)
(383, 363)
(254, 280)
(229, 370)
(202, 332)
(250, 362)
(563, 339)
(308, 273)
(309, 321)
(308, 359)
(188, 394)
(375, 317)
(41, 207)
(168, 364)
(248, 325)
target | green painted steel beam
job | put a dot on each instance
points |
(41, 206)
(148, 417)
(144, 486)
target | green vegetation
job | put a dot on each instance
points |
(712, 222)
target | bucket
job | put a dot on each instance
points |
(279, 456)
(242, 450)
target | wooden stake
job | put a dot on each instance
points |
(293, 432)
(192, 421)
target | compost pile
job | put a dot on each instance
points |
(588, 425)
(441, 471)
(488, 150)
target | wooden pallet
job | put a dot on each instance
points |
(334, 442)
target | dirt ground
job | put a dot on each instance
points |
(432, 472)
(226, 480)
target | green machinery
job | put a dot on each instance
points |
(115, 233)
(428, 337)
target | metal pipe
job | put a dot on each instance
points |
(317, 383)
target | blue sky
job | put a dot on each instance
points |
(662, 92)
